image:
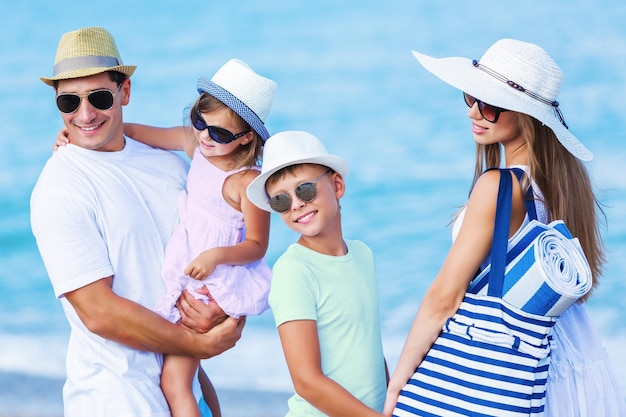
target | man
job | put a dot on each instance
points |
(101, 212)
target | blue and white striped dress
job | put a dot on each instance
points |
(581, 378)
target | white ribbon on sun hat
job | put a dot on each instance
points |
(514, 75)
(290, 148)
(247, 93)
(85, 52)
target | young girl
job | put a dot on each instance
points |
(222, 237)
(216, 253)
(511, 94)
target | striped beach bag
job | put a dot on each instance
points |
(492, 357)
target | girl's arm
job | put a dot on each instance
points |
(253, 248)
(179, 138)
(445, 294)
(301, 347)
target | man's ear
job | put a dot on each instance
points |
(125, 91)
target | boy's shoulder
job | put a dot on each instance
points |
(295, 253)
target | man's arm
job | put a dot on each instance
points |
(116, 318)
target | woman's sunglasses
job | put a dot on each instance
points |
(101, 99)
(218, 134)
(487, 111)
(307, 191)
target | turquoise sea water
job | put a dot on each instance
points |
(346, 74)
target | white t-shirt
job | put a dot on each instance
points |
(97, 214)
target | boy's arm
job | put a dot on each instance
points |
(179, 138)
(301, 347)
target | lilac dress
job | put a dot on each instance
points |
(208, 221)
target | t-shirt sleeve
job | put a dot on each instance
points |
(70, 243)
(293, 293)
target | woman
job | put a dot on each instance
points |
(521, 126)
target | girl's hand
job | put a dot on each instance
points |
(61, 140)
(203, 265)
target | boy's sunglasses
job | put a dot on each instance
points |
(487, 111)
(101, 99)
(218, 134)
(307, 191)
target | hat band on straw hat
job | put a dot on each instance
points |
(513, 84)
(81, 62)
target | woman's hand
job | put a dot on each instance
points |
(390, 401)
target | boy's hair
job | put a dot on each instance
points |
(290, 169)
(245, 155)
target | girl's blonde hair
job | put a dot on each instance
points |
(564, 183)
(245, 155)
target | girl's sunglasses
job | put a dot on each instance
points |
(218, 134)
(101, 99)
(307, 191)
(487, 111)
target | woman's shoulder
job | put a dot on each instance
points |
(484, 198)
(486, 187)
(488, 183)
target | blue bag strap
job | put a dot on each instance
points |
(500, 242)
(529, 201)
(500, 234)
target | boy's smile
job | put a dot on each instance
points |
(319, 218)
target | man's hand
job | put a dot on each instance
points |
(198, 316)
(221, 337)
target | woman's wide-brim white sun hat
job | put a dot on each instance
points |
(514, 75)
(291, 148)
(247, 93)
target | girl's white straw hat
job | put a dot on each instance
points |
(247, 93)
(291, 148)
(514, 75)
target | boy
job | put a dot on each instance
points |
(323, 293)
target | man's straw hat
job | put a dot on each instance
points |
(85, 52)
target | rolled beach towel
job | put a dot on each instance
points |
(546, 270)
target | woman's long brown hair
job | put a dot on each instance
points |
(564, 183)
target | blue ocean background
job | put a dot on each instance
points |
(346, 74)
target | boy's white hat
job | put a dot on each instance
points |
(514, 75)
(291, 148)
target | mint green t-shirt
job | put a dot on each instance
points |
(339, 293)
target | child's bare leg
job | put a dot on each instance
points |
(208, 391)
(176, 379)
